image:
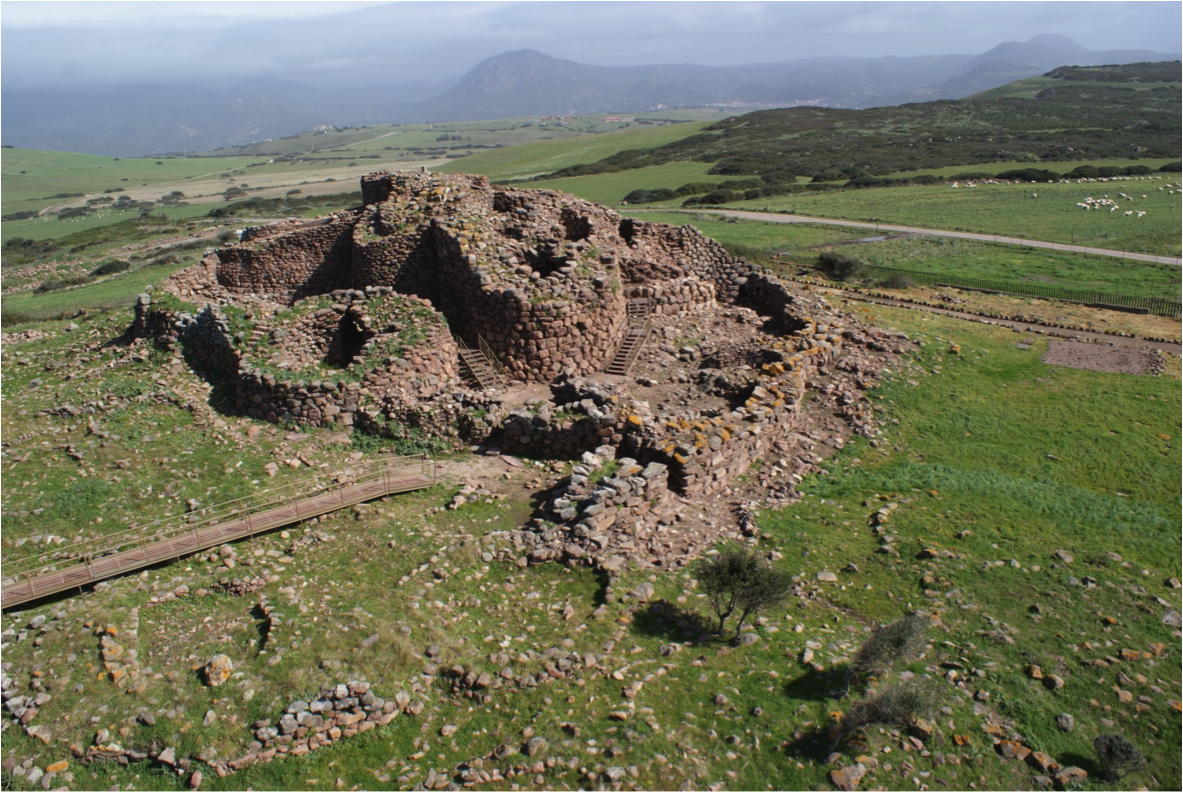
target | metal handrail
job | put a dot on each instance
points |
(487, 351)
(635, 352)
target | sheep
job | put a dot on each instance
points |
(1127, 213)
(1140, 214)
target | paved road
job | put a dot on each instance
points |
(774, 217)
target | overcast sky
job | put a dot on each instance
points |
(68, 44)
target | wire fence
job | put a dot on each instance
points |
(1158, 306)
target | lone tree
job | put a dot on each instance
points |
(739, 581)
(1117, 757)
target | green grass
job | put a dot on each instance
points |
(971, 259)
(979, 463)
(532, 159)
(611, 188)
(46, 173)
(117, 290)
(1010, 210)
(766, 237)
(964, 258)
(48, 227)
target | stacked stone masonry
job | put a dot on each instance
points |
(350, 320)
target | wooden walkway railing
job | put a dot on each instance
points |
(75, 566)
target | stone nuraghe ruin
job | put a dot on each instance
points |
(444, 307)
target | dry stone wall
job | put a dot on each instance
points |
(545, 281)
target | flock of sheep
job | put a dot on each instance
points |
(1090, 203)
(1105, 202)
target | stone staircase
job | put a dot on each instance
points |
(481, 365)
(639, 327)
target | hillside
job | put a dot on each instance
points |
(1074, 119)
(152, 118)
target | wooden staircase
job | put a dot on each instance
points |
(640, 325)
(482, 365)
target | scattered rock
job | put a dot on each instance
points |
(218, 670)
(848, 778)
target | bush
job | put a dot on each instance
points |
(895, 281)
(111, 266)
(739, 580)
(1172, 167)
(901, 640)
(899, 705)
(59, 283)
(717, 197)
(1029, 175)
(694, 188)
(839, 267)
(1117, 757)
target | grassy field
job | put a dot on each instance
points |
(1032, 460)
(965, 258)
(534, 158)
(611, 188)
(1012, 210)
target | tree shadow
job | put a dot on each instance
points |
(814, 744)
(1089, 764)
(816, 686)
(666, 620)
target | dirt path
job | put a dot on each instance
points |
(772, 217)
(1026, 327)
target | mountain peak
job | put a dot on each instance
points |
(1054, 41)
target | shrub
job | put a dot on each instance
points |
(840, 267)
(296, 191)
(717, 197)
(898, 705)
(901, 640)
(1172, 167)
(1117, 757)
(895, 281)
(695, 188)
(111, 266)
(738, 580)
(59, 283)
(1029, 175)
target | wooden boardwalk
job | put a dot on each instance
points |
(76, 566)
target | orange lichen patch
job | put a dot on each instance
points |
(635, 421)
(681, 458)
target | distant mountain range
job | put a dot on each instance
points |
(150, 118)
